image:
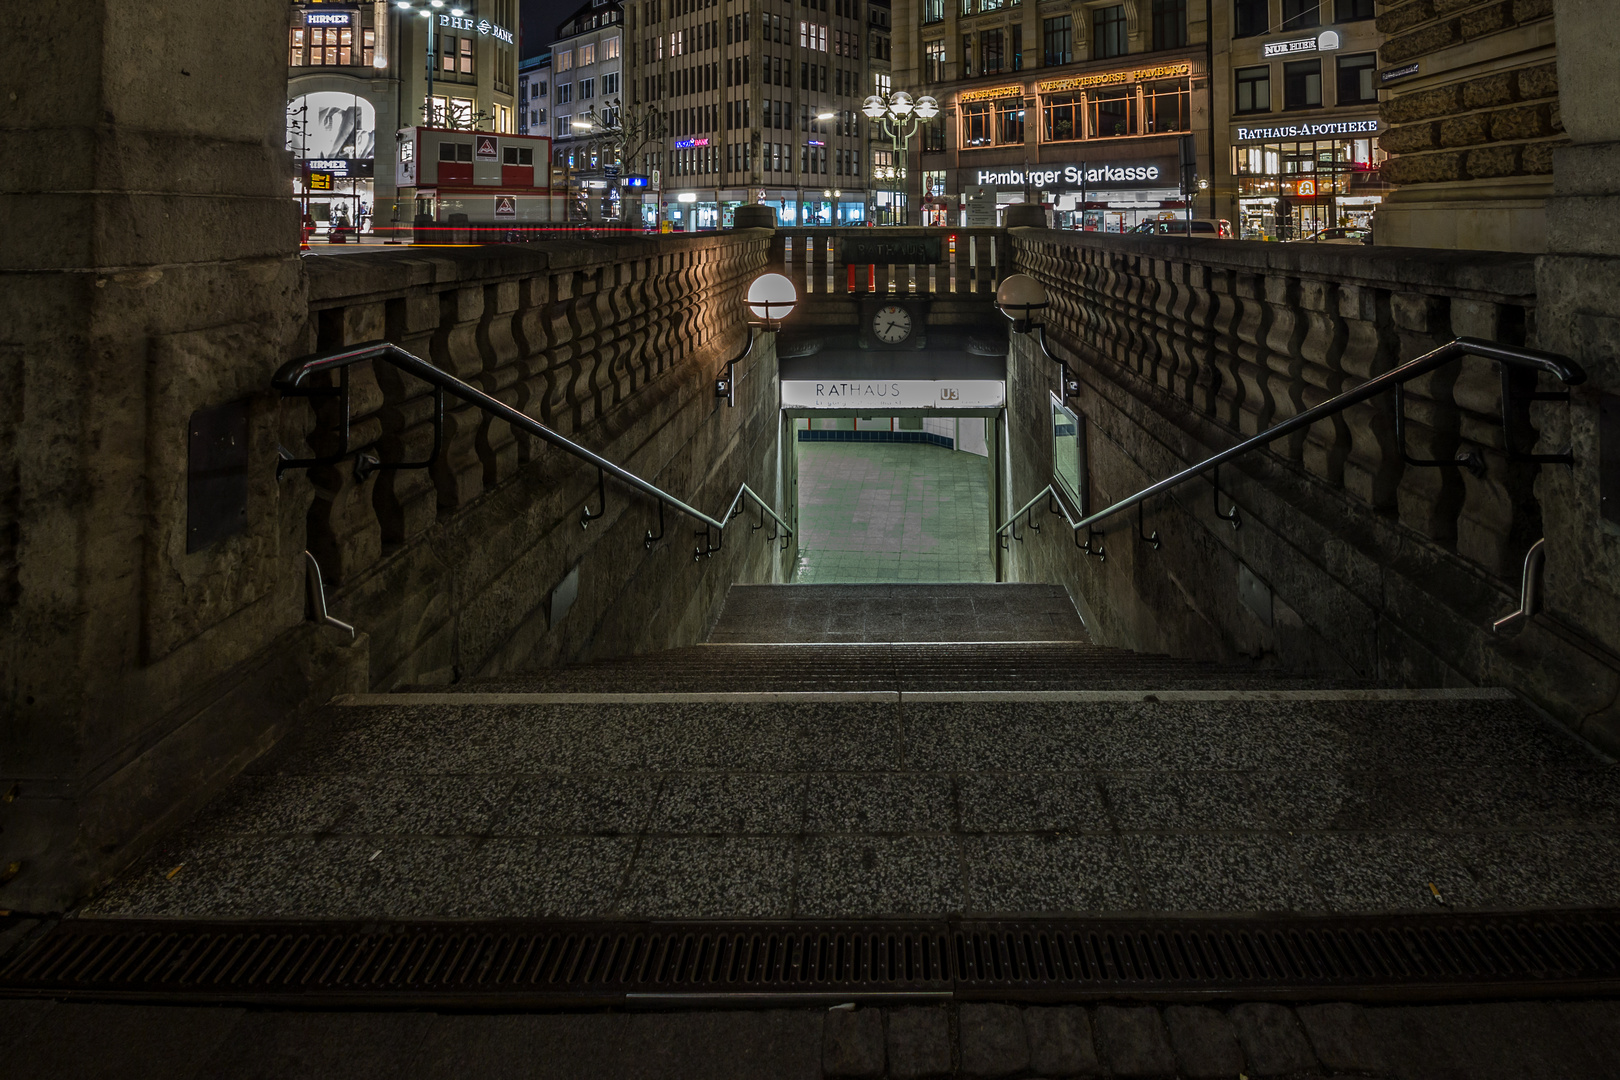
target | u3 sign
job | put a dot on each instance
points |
(949, 393)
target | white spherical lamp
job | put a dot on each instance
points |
(771, 298)
(1021, 298)
(900, 102)
(927, 107)
(874, 107)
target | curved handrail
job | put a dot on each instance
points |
(1569, 372)
(290, 379)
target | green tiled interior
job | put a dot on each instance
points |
(892, 512)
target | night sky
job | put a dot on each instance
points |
(540, 19)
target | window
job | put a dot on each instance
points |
(587, 55)
(1010, 120)
(976, 120)
(1254, 89)
(1108, 34)
(1169, 24)
(1058, 34)
(466, 56)
(610, 83)
(1250, 17)
(295, 50)
(934, 60)
(992, 51)
(880, 83)
(563, 61)
(587, 89)
(610, 49)
(1018, 47)
(933, 11)
(517, 155)
(1113, 113)
(967, 56)
(1302, 84)
(933, 184)
(1356, 78)
(933, 133)
(1351, 10)
(1301, 14)
(565, 93)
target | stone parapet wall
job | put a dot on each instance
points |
(1367, 565)
(450, 569)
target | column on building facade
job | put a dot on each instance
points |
(1473, 119)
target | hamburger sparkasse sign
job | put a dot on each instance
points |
(1150, 173)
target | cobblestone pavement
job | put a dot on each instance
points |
(1576, 1040)
(1331, 801)
(874, 512)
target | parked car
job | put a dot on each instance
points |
(1345, 234)
(1206, 227)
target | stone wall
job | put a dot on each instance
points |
(450, 570)
(1348, 560)
(1472, 132)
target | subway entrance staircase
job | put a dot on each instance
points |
(905, 821)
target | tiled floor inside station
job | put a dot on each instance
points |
(892, 512)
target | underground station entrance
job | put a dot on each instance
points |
(895, 450)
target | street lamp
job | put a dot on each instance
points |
(770, 300)
(901, 115)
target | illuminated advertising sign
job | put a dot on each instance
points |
(1100, 175)
(482, 26)
(687, 144)
(1326, 41)
(1308, 131)
(1110, 78)
(331, 18)
(994, 92)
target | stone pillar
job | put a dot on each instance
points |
(150, 272)
(1578, 313)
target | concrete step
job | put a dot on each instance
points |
(759, 614)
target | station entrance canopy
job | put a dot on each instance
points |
(868, 383)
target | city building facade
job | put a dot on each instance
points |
(588, 71)
(358, 74)
(756, 102)
(534, 95)
(1086, 108)
(1296, 90)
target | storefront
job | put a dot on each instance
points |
(1096, 196)
(1295, 180)
(333, 138)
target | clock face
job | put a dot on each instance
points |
(892, 324)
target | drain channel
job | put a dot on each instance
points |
(507, 964)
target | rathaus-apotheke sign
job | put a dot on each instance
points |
(1308, 131)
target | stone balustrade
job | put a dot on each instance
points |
(577, 335)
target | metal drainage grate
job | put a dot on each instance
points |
(506, 964)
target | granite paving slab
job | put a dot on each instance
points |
(896, 806)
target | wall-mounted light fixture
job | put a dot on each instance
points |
(770, 300)
(1023, 300)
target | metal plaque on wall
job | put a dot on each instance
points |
(861, 251)
(216, 474)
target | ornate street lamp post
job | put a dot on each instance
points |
(900, 116)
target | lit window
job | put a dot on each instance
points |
(587, 55)
(564, 61)
(466, 56)
(610, 49)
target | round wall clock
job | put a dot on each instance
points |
(892, 324)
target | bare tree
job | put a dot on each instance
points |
(621, 133)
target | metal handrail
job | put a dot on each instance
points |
(1569, 372)
(290, 380)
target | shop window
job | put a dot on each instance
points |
(1010, 121)
(934, 60)
(1356, 82)
(976, 121)
(1301, 14)
(1302, 84)
(1352, 10)
(1058, 41)
(1113, 113)
(992, 51)
(1169, 24)
(1250, 17)
(1108, 33)
(933, 184)
(933, 11)
(1254, 89)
